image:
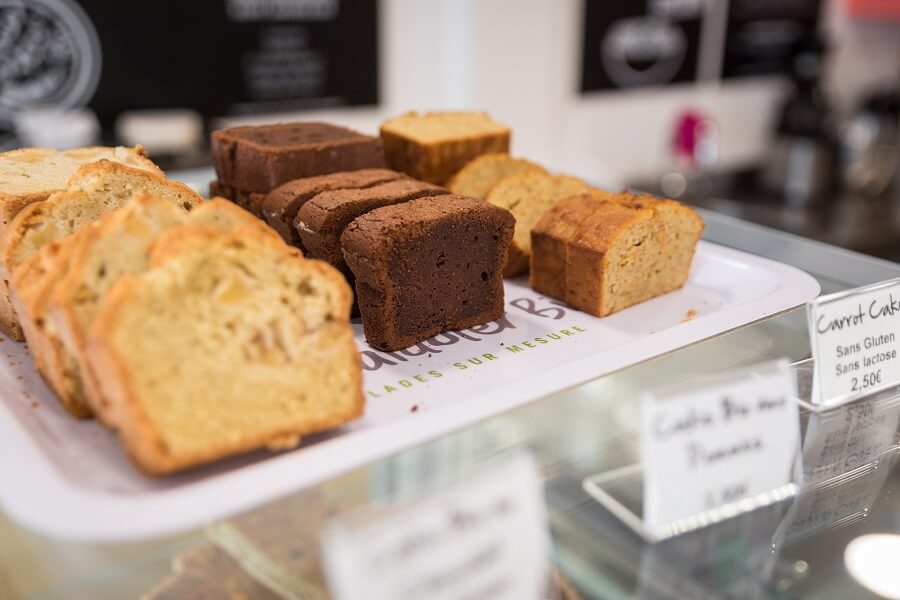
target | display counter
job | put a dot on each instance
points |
(792, 548)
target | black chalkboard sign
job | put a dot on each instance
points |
(634, 43)
(763, 35)
(234, 56)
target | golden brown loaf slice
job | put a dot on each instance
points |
(528, 196)
(230, 342)
(479, 175)
(678, 229)
(434, 146)
(616, 252)
(32, 283)
(144, 217)
(94, 189)
(550, 243)
(31, 174)
(102, 253)
(611, 260)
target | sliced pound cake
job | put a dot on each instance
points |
(31, 174)
(550, 243)
(602, 256)
(230, 342)
(32, 284)
(528, 196)
(478, 176)
(434, 146)
(95, 189)
(118, 245)
(72, 274)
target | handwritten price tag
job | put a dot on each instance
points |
(485, 537)
(732, 437)
(855, 340)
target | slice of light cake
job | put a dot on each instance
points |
(604, 255)
(228, 343)
(434, 146)
(481, 174)
(528, 196)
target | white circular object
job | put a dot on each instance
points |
(57, 128)
(673, 185)
(50, 55)
(161, 131)
(872, 561)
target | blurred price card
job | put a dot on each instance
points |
(855, 340)
(483, 537)
(720, 447)
(712, 449)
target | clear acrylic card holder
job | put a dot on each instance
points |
(622, 491)
(853, 443)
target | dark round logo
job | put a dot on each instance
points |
(49, 56)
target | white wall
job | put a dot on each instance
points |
(519, 60)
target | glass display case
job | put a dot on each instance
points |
(796, 547)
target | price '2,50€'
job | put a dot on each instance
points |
(869, 380)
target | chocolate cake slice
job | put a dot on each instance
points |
(427, 266)
(322, 220)
(260, 158)
(280, 206)
(249, 201)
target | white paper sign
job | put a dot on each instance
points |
(485, 537)
(855, 340)
(705, 446)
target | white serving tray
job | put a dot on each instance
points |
(71, 479)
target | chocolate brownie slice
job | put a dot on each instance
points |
(281, 205)
(426, 266)
(259, 159)
(321, 221)
(249, 201)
